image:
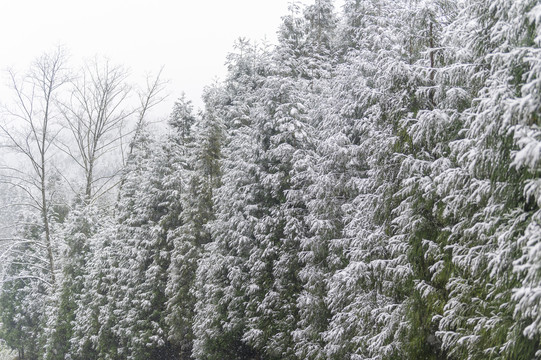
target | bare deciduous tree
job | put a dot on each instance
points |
(29, 128)
(149, 97)
(97, 115)
(94, 114)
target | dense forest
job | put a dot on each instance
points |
(368, 188)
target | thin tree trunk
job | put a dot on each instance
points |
(89, 177)
(432, 63)
(48, 242)
(44, 203)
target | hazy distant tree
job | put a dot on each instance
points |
(96, 114)
(29, 129)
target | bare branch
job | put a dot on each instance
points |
(34, 100)
(23, 277)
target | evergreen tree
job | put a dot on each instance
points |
(202, 174)
(81, 224)
(375, 86)
(486, 197)
(221, 286)
(24, 293)
(367, 189)
(525, 29)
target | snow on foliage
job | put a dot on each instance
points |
(368, 188)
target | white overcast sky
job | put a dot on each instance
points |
(189, 38)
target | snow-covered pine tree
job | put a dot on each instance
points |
(222, 286)
(184, 254)
(25, 292)
(422, 152)
(77, 229)
(326, 175)
(376, 87)
(284, 135)
(120, 314)
(485, 202)
(281, 134)
(525, 30)
(145, 259)
(93, 320)
(312, 174)
(202, 176)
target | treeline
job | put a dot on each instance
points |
(367, 189)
